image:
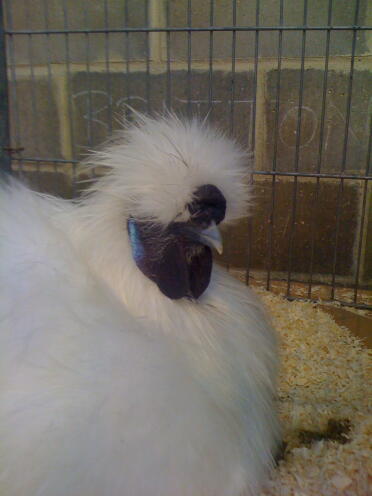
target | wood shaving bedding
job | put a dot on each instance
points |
(325, 376)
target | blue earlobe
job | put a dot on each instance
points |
(138, 250)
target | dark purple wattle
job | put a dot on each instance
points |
(178, 264)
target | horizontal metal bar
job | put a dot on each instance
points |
(45, 160)
(185, 29)
(311, 174)
(256, 172)
(362, 306)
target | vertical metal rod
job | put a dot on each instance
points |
(69, 96)
(275, 152)
(344, 150)
(13, 101)
(169, 73)
(49, 59)
(253, 142)
(88, 81)
(255, 77)
(107, 65)
(321, 148)
(189, 92)
(5, 161)
(210, 82)
(127, 61)
(362, 220)
(35, 119)
(335, 242)
(297, 154)
(233, 60)
(147, 43)
(231, 127)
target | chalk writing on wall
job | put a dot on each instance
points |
(97, 103)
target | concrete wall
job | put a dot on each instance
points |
(68, 93)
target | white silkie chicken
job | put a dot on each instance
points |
(128, 365)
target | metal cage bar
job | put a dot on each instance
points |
(10, 99)
(210, 59)
(274, 163)
(189, 58)
(186, 29)
(366, 176)
(297, 153)
(321, 147)
(344, 151)
(5, 161)
(107, 66)
(253, 136)
(69, 92)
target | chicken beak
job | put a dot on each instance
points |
(212, 237)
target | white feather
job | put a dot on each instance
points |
(109, 388)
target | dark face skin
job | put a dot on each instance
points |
(175, 257)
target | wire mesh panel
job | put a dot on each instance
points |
(291, 81)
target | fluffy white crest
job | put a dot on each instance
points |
(155, 165)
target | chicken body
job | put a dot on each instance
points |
(109, 387)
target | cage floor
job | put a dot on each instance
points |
(324, 404)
